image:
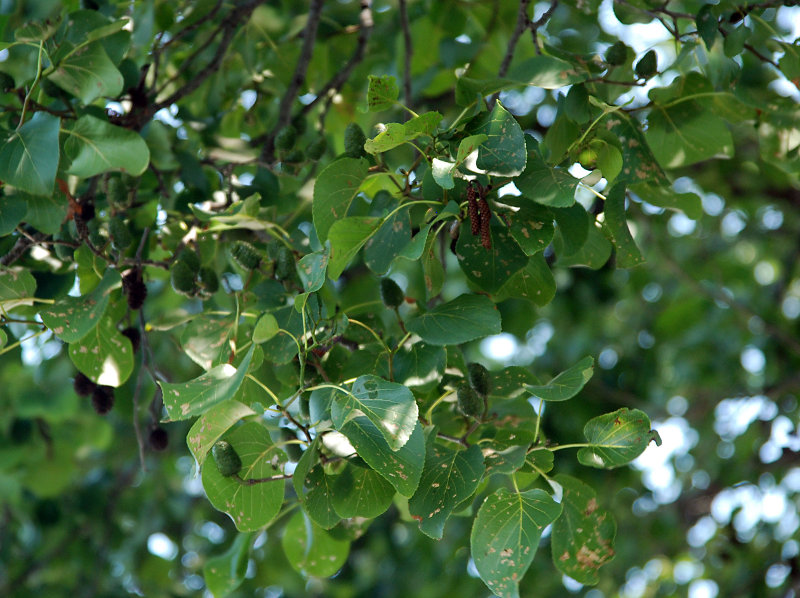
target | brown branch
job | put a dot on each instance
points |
(409, 50)
(364, 32)
(298, 78)
(540, 22)
(229, 27)
(20, 247)
(523, 22)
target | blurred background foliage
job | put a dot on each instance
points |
(703, 337)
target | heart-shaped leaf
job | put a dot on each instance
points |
(616, 438)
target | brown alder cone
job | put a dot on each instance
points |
(486, 219)
(474, 220)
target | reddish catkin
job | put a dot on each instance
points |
(474, 220)
(486, 219)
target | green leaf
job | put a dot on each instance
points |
(442, 172)
(17, 287)
(534, 282)
(639, 163)
(594, 253)
(489, 269)
(88, 74)
(103, 354)
(250, 507)
(361, 492)
(206, 340)
(187, 399)
(549, 186)
(616, 438)
(224, 573)
(12, 211)
(382, 93)
(72, 318)
(450, 477)
(583, 536)
(29, 157)
(334, 190)
(266, 327)
(707, 25)
(388, 405)
(506, 534)
(628, 254)
(386, 244)
(96, 146)
(312, 269)
(311, 550)
(468, 145)
(688, 203)
(424, 124)
(347, 237)
(685, 133)
(547, 72)
(210, 427)
(46, 214)
(402, 467)
(318, 500)
(393, 135)
(567, 384)
(465, 318)
(420, 366)
(531, 225)
(503, 153)
(572, 231)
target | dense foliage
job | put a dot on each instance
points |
(364, 257)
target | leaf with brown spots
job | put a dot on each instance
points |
(506, 534)
(450, 477)
(616, 438)
(583, 536)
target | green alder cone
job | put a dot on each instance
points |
(478, 378)
(245, 255)
(208, 280)
(226, 458)
(647, 66)
(354, 140)
(391, 293)
(316, 148)
(294, 157)
(181, 278)
(284, 263)
(286, 139)
(121, 237)
(617, 54)
(117, 192)
(191, 259)
(469, 403)
(293, 450)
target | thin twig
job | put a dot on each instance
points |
(298, 78)
(540, 22)
(523, 21)
(254, 481)
(365, 16)
(229, 27)
(409, 50)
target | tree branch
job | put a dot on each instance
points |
(298, 78)
(523, 22)
(364, 32)
(540, 22)
(409, 50)
(229, 27)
